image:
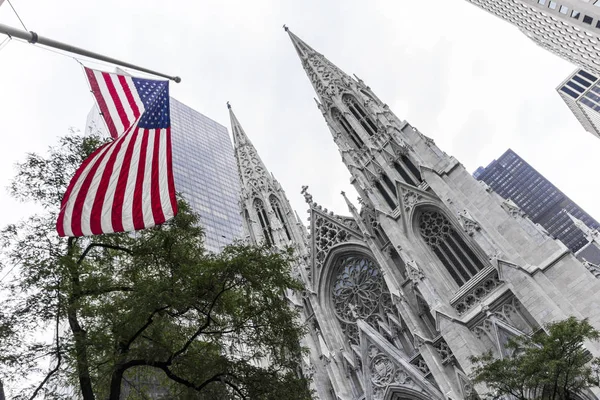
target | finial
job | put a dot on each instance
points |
(285, 28)
(228, 106)
(307, 196)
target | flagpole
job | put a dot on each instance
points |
(34, 38)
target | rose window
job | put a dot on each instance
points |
(358, 292)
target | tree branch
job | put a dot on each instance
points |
(109, 289)
(234, 387)
(206, 324)
(107, 246)
(149, 321)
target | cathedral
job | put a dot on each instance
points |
(430, 268)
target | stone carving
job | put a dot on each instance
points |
(327, 234)
(359, 292)
(478, 293)
(504, 322)
(307, 196)
(410, 199)
(325, 77)
(251, 168)
(384, 372)
(443, 350)
(413, 272)
(468, 222)
(420, 363)
(512, 209)
(593, 268)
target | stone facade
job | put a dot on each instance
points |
(433, 269)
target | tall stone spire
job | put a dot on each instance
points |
(252, 171)
(377, 147)
(461, 272)
(266, 212)
(326, 78)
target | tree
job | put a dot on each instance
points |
(549, 365)
(154, 306)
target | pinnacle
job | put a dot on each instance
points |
(320, 71)
(351, 206)
(245, 153)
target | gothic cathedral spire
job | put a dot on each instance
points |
(266, 212)
(437, 267)
(375, 145)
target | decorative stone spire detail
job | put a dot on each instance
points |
(351, 206)
(253, 173)
(326, 78)
(590, 234)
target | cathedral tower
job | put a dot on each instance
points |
(266, 212)
(434, 268)
(269, 219)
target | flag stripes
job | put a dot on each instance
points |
(126, 184)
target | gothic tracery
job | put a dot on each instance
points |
(450, 248)
(358, 292)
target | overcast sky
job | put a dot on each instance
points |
(469, 80)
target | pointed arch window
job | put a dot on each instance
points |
(398, 262)
(361, 115)
(408, 171)
(276, 206)
(449, 246)
(264, 221)
(426, 316)
(347, 128)
(386, 195)
(389, 184)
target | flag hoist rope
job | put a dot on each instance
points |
(34, 38)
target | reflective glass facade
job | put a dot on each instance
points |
(204, 169)
(205, 173)
(513, 178)
(568, 28)
(581, 92)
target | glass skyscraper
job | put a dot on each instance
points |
(206, 174)
(204, 170)
(581, 92)
(513, 178)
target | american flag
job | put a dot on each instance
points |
(126, 184)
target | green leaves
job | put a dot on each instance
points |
(150, 306)
(549, 365)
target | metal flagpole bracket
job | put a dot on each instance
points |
(34, 38)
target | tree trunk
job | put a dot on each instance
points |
(115, 384)
(79, 334)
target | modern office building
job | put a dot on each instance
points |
(205, 173)
(581, 92)
(513, 178)
(204, 170)
(568, 28)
